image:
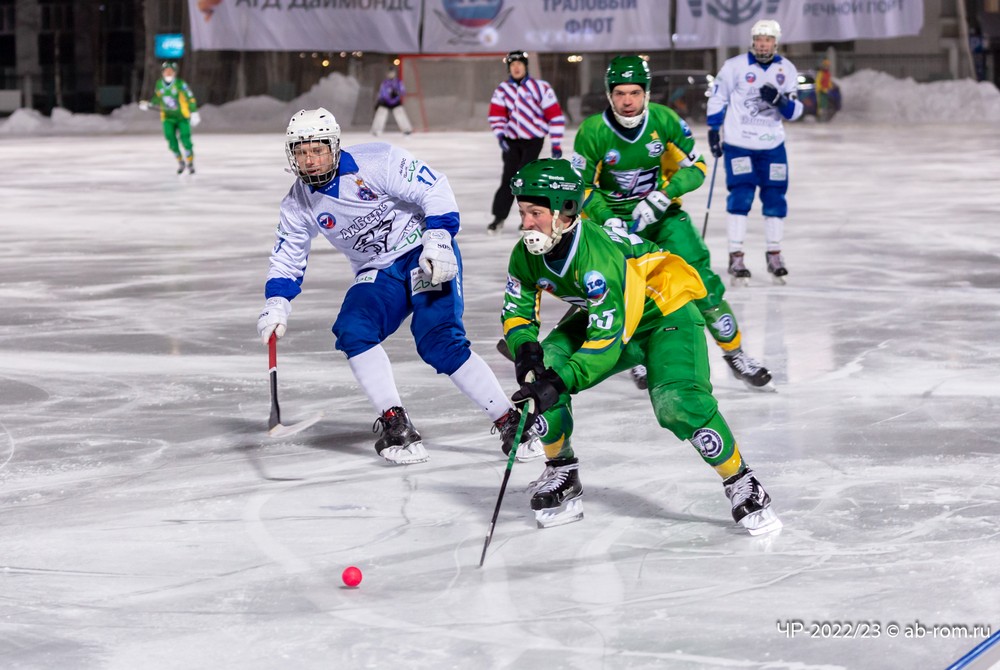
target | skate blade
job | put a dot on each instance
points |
(769, 387)
(780, 281)
(761, 522)
(529, 451)
(570, 511)
(740, 281)
(282, 430)
(408, 455)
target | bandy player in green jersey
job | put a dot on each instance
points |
(635, 306)
(637, 159)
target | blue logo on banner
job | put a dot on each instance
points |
(733, 12)
(169, 46)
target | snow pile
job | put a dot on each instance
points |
(870, 96)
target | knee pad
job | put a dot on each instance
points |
(740, 199)
(445, 349)
(773, 200)
(682, 408)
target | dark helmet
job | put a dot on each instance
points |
(515, 56)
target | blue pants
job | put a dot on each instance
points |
(374, 309)
(747, 170)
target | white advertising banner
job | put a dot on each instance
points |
(478, 26)
(726, 23)
(389, 26)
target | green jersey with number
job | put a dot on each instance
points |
(623, 282)
(624, 171)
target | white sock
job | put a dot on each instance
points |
(774, 232)
(373, 371)
(737, 228)
(476, 380)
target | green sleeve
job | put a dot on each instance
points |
(520, 315)
(588, 159)
(691, 172)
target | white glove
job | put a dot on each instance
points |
(616, 224)
(273, 318)
(649, 210)
(144, 105)
(195, 119)
(437, 260)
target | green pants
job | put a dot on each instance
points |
(675, 233)
(172, 128)
(674, 352)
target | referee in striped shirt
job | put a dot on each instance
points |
(523, 110)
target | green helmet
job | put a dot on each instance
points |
(551, 180)
(552, 183)
(627, 70)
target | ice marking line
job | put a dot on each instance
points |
(10, 441)
(264, 541)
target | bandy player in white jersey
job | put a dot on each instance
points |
(395, 219)
(752, 96)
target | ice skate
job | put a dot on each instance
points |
(180, 166)
(400, 442)
(638, 374)
(751, 504)
(530, 447)
(738, 271)
(750, 372)
(495, 227)
(557, 496)
(776, 266)
(190, 166)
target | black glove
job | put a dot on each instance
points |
(504, 144)
(528, 361)
(771, 95)
(715, 142)
(544, 392)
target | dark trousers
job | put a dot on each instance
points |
(520, 154)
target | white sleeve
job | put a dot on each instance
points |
(293, 239)
(721, 89)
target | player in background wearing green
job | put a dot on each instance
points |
(178, 113)
(638, 159)
(635, 307)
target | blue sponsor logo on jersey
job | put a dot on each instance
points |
(364, 192)
(326, 220)
(751, 77)
(686, 128)
(780, 78)
(546, 285)
(612, 157)
(655, 148)
(595, 284)
(513, 287)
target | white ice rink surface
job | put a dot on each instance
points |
(149, 522)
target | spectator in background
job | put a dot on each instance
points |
(390, 98)
(523, 110)
(178, 113)
(824, 84)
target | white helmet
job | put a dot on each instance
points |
(768, 28)
(313, 125)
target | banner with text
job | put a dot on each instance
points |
(725, 23)
(477, 26)
(389, 26)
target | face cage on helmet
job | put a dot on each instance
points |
(538, 243)
(319, 180)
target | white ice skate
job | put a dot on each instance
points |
(738, 270)
(558, 494)
(776, 266)
(751, 504)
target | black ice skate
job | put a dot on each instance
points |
(180, 166)
(530, 447)
(738, 271)
(751, 504)
(400, 442)
(750, 372)
(776, 266)
(190, 166)
(495, 227)
(639, 377)
(557, 496)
